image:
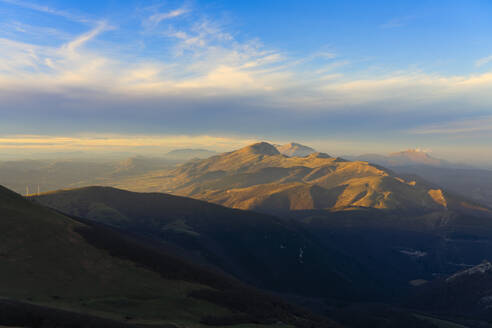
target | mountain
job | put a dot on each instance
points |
(475, 184)
(187, 154)
(404, 158)
(467, 293)
(58, 271)
(295, 150)
(416, 156)
(264, 250)
(397, 229)
(460, 179)
(344, 257)
(259, 177)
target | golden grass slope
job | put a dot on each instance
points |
(260, 177)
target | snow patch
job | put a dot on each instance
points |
(413, 253)
(480, 269)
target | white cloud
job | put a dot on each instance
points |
(483, 61)
(214, 63)
(207, 61)
(84, 38)
(157, 18)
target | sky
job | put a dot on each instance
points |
(347, 77)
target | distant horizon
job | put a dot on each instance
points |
(124, 152)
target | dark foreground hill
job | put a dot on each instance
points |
(61, 272)
(264, 250)
(341, 257)
(365, 254)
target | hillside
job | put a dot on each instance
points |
(460, 179)
(263, 250)
(475, 184)
(259, 177)
(363, 255)
(51, 264)
(467, 293)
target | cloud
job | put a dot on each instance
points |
(115, 142)
(478, 125)
(206, 79)
(483, 61)
(157, 18)
(213, 63)
(48, 10)
(397, 22)
(84, 38)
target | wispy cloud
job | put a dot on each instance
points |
(483, 61)
(397, 22)
(115, 142)
(479, 125)
(84, 38)
(157, 18)
(39, 33)
(48, 10)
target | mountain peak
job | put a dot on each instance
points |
(294, 149)
(417, 152)
(415, 156)
(260, 148)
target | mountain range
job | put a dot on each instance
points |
(259, 177)
(225, 233)
(460, 179)
(135, 172)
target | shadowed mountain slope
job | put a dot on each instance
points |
(264, 250)
(51, 264)
(392, 249)
(259, 177)
(467, 293)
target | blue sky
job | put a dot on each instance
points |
(344, 76)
